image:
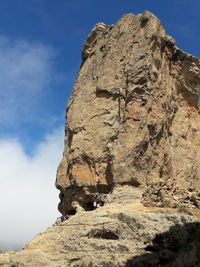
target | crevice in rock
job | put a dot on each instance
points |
(89, 161)
(144, 21)
(133, 182)
(70, 133)
(70, 137)
(106, 94)
(155, 134)
(109, 171)
(104, 234)
(119, 109)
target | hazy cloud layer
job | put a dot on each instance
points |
(28, 199)
(25, 71)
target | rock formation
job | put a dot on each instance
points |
(132, 117)
(132, 141)
(117, 235)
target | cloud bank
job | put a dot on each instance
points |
(28, 199)
(25, 72)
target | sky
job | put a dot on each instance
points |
(40, 51)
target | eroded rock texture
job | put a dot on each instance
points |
(133, 117)
(132, 134)
(117, 235)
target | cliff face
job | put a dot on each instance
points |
(133, 117)
(132, 136)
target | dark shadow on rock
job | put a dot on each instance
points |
(179, 247)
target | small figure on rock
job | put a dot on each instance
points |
(64, 217)
(98, 204)
(101, 204)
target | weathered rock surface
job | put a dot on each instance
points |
(116, 235)
(132, 141)
(133, 117)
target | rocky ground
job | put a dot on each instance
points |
(121, 233)
(132, 140)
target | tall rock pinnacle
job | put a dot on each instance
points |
(132, 136)
(133, 117)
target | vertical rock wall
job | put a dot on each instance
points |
(133, 117)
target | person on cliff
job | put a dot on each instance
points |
(98, 204)
(95, 204)
(64, 217)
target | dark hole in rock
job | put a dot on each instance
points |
(132, 182)
(144, 22)
(89, 206)
(71, 212)
(88, 194)
(150, 248)
(140, 90)
(164, 261)
(106, 235)
(144, 101)
(152, 129)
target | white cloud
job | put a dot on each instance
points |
(25, 71)
(28, 198)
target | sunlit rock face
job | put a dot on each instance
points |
(132, 136)
(133, 118)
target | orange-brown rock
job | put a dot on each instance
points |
(133, 117)
(132, 135)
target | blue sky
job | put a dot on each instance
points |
(40, 51)
(52, 34)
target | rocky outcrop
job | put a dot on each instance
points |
(132, 141)
(119, 234)
(133, 118)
